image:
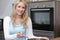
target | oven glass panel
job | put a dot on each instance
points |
(42, 17)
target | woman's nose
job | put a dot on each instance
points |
(21, 9)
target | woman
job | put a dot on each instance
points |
(18, 26)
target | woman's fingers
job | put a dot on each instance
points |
(20, 35)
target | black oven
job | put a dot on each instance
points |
(42, 18)
(1, 24)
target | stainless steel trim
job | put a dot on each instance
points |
(39, 9)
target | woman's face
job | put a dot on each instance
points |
(20, 8)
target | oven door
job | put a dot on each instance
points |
(42, 18)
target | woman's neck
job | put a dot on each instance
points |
(18, 16)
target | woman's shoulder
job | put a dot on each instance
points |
(29, 19)
(7, 18)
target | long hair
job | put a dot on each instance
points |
(24, 16)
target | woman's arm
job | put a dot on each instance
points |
(29, 31)
(6, 29)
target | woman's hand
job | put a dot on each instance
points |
(20, 35)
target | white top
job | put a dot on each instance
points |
(7, 36)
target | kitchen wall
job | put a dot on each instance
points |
(57, 19)
(57, 0)
(5, 7)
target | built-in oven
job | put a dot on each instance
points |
(42, 18)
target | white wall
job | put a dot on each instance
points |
(5, 7)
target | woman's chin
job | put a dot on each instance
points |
(19, 14)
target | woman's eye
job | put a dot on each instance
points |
(18, 6)
(23, 7)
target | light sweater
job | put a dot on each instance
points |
(7, 28)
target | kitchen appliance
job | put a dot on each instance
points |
(42, 18)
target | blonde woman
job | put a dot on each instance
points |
(18, 26)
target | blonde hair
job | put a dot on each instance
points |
(24, 15)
